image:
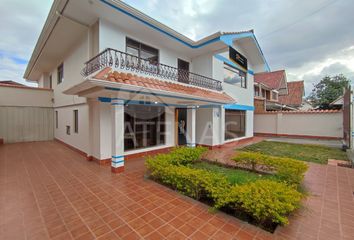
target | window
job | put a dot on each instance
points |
(142, 51)
(56, 119)
(60, 73)
(235, 124)
(50, 82)
(234, 76)
(76, 121)
(144, 126)
(256, 91)
(274, 95)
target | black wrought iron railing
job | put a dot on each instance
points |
(121, 60)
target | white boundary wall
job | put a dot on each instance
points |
(327, 124)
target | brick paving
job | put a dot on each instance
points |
(48, 191)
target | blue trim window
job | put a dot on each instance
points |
(143, 51)
(235, 124)
(144, 126)
(235, 76)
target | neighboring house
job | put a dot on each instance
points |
(126, 85)
(9, 82)
(273, 92)
(338, 103)
(294, 98)
(268, 86)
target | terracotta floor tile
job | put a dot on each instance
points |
(77, 198)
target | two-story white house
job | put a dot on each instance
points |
(127, 85)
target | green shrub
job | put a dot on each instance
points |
(288, 170)
(187, 155)
(265, 200)
(191, 182)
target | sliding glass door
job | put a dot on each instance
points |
(235, 124)
(144, 126)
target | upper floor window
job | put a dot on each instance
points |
(60, 73)
(143, 51)
(234, 76)
(274, 95)
(256, 91)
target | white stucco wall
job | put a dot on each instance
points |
(204, 126)
(112, 36)
(25, 97)
(307, 124)
(78, 140)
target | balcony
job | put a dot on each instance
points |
(130, 63)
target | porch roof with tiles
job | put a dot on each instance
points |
(109, 80)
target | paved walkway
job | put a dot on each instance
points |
(47, 191)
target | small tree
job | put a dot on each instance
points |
(328, 90)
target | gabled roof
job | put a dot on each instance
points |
(68, 9)
(273, 80)
(295, 94)
(108, 74)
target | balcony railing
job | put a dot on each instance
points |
(121, 60)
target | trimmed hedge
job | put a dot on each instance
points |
(288, 170)
(265, 200)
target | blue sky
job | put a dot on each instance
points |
(309, 39)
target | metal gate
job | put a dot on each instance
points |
(346, 117)
(26, 124)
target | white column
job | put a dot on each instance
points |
(117, 165)
(191, 126)
(222, 125)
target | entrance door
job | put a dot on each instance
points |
(183, 71)
(181, 126)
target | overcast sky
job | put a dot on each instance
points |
(307, 38)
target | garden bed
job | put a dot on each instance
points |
(264, 200)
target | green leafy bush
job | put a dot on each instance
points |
(265, 200)
(288, 170)
(192, 182)
(187, 155)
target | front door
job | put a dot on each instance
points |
(181, 126)
(183, 71)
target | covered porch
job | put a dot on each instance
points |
(131, 115)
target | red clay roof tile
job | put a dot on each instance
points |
(128, 78)
(270, 79)
(295, 94)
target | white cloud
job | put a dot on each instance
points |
(304, 49)
(20, 26)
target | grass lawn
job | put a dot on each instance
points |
(235, 176)
(303, 152)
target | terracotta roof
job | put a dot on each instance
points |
(152, 83)
(270, 79)
(295, 94)
(23, 86)
(10, 82)
(302, 111)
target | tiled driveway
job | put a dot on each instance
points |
(48, 191)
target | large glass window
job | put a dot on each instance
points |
(234, 76)
(141, 50)
(144, 126)
(235, 124)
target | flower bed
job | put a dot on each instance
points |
(265, 202)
